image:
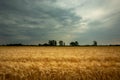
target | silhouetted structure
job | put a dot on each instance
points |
(45, 44)
(94, 43)
(61, 43)
(74, 43)
(39, 44)
(15, 44)
(52, 43)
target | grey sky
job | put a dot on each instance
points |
(37, 21)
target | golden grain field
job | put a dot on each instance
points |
(59, 63)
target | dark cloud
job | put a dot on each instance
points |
(34, 21)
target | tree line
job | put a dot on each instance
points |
(54, 43)
(60, 43)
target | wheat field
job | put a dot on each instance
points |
(59, 63)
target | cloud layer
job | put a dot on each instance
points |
(37, 21)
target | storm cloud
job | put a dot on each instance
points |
(37, 21)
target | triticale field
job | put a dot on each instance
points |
(59, 63)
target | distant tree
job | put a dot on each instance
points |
(72, 44)
(55, 43)
(39, 44)
(61, 43)
(76, 43)
(94, 43)
(52, 42)
(45, 44)
(19, 44)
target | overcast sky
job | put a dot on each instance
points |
(37, 21)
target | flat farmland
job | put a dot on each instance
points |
(59, 63)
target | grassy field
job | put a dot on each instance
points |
(59, 63)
